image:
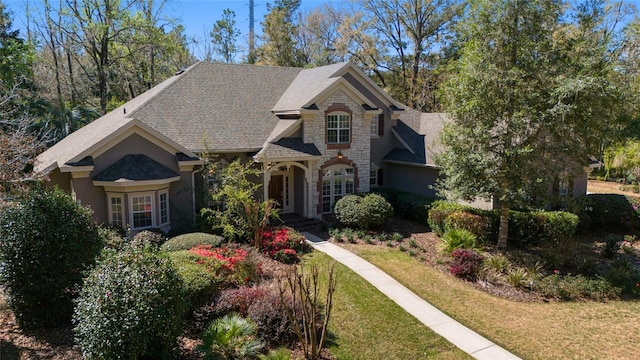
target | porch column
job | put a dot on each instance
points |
(266, 179)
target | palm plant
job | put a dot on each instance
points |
(230, 337)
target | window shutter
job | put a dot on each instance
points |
(380, 177)
(381, 124)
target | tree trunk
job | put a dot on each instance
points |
(503, 233)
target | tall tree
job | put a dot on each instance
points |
(17, 141)
(280, 30)
(224, 36)
(528, 98)
(413, 33)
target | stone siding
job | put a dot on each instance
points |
(357, 152)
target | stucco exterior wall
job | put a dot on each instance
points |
(412, 179)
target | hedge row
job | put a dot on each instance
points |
(407, 205)
(525, 228)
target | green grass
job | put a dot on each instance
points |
(560, 330)
(365, 324)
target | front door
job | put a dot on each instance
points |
(276, 189)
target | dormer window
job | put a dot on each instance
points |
(338, 128)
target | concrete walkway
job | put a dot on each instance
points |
(460, 336)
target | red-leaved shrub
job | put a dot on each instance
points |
(465, 263)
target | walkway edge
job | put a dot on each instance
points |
(462, 337)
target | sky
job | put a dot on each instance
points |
(197, 16)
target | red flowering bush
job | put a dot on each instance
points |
(283, 244)
(465, 264)
(234, 264)
(227, 256)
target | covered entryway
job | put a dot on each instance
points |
(286, 183)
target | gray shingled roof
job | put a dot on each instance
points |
(135, 168)
(290, 148)
(306, 86)
(228, 106)
(419, 131)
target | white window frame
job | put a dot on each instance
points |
(123, 212)
(373, 178)
(151, 196)
(374, 127)
(339, 118)
(165, 208)
(337, 177)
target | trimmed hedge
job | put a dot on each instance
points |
(363, 212)
(187, 241)
(407, 205)
(610, 212)
(525, 228)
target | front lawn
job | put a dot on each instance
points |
(532, 330)
(366, 324)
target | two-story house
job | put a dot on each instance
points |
(318, 134)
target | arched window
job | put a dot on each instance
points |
(337, 181)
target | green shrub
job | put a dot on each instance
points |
(199, 283)
(525, 228)
(438, 214)
(363, 212)
(497, 263)
(187, 241)
(407, 205)
(572, 288)
(610, 212)
(476, 224)
(376, 210)
(347, 211)
(131, 305)
(230, 337)
(559, 227)
(154, 237)
(624, 276)
(47, 241)
(113, 236)
(458, 239)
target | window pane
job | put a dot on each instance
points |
(337, 188)
(373, 177)
(349, 171)
(164, 208)
(326, 204)
(344, 121)
(142, 213)
(332, 136)
(326, 188)
(344, 136)
(348, 188)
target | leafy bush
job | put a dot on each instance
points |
(187, 241)
(611, 246)
(199, 283)
(572, 288)
(622, 274)
(347, 211)
(438, 214)
(560, 227)
(458, 239)
(232, 264)
(407, 205)
(610, 212)
(47, 241)
(465, 264)
(377, 210)
(113, 236)
(274, 327)
(363, 212)
(476, 224)
(284, 245)
(262, 305)
(230, 337)
(131, 305)
(497, 263)
(154, 237)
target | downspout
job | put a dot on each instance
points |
(193, 190)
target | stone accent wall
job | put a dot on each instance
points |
(357, 153)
